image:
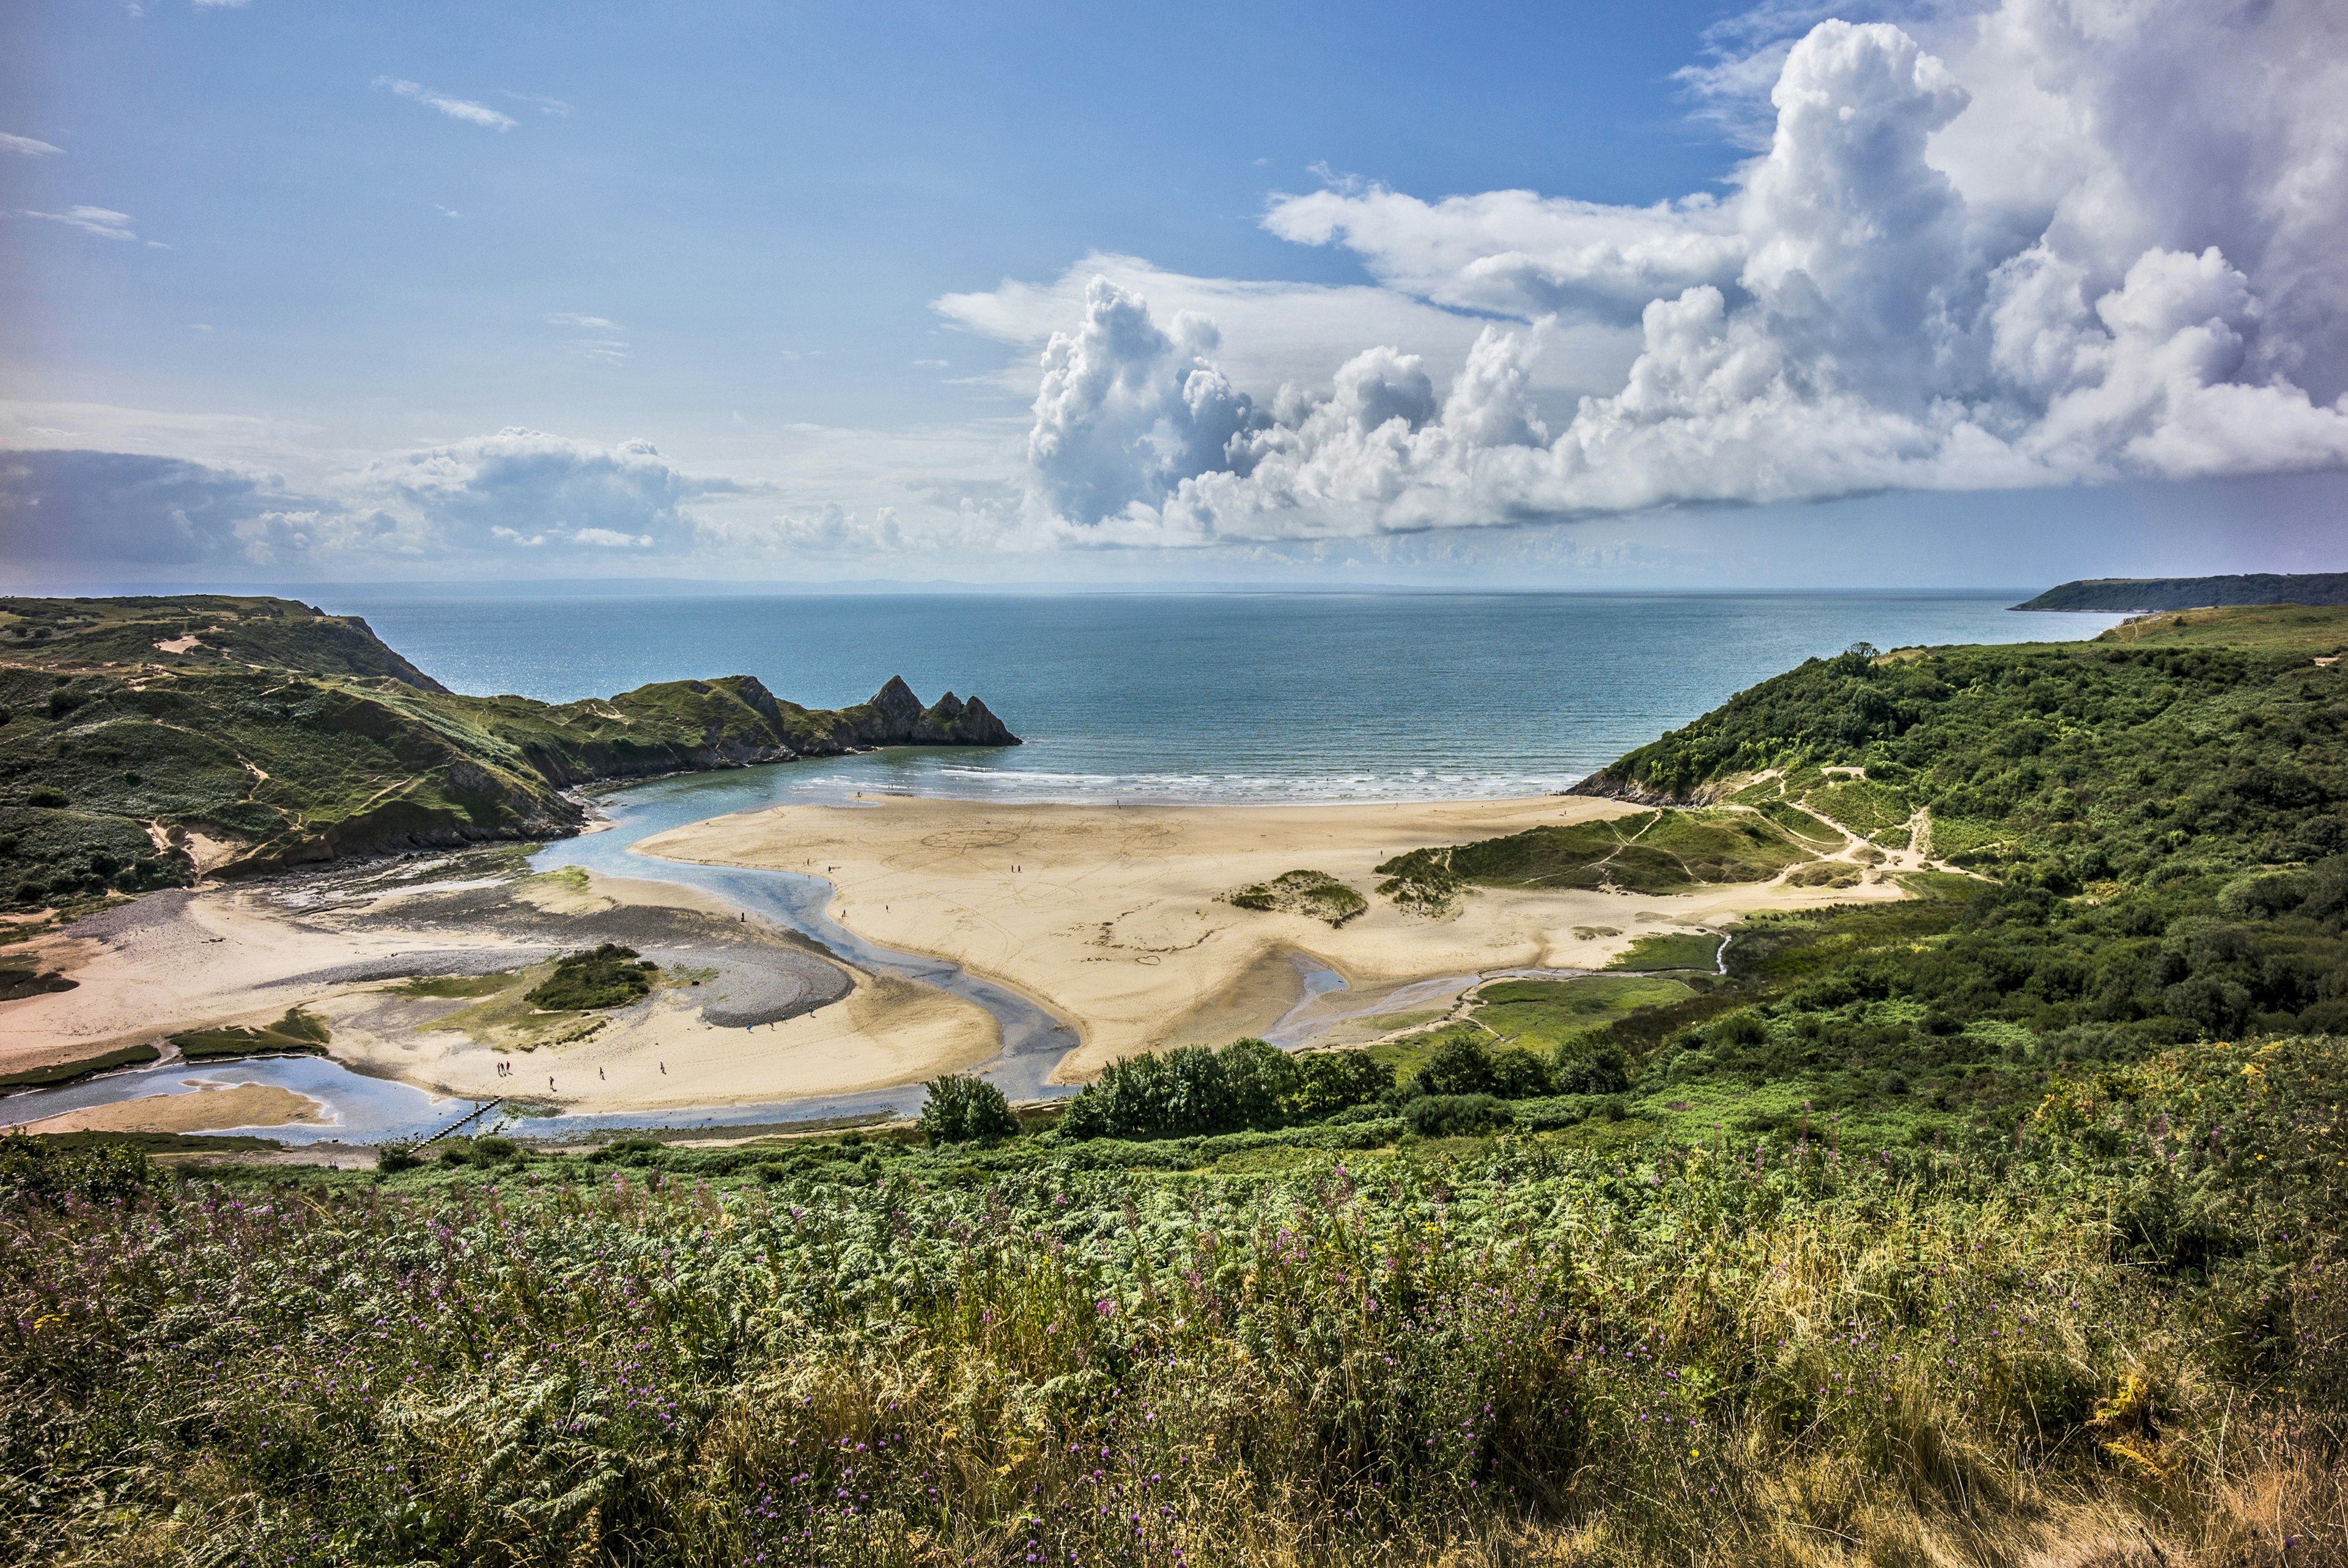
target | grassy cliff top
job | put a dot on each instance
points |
(143, 739)
(197, 630)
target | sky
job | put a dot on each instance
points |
(1673, 295)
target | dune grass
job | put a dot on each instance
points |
(298, 1032)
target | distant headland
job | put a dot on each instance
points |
(144, 740)
(2142, 595)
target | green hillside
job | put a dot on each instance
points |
(143, 739)
(2135, 595)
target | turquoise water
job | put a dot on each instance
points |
(1235, 697)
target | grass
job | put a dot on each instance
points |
(1647, 852)
(18, 981)
(78, 1067)
(1311, 893)
(452, 988)
(1542, 1015)
(1248, 1349)
(1670, 950)
(298, 1032)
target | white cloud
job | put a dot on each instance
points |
(1272, 333)
(520, 485)
(554, 107)
(28, 146)
(222, 5)
(568, 319)
(465, 110)
(2125, 267)
(102, 221)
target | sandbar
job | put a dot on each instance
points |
(207, 1108)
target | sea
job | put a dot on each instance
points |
(1238, 698)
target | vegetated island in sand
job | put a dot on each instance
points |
(149, 742)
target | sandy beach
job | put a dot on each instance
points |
(1110, 916)
(419, 972)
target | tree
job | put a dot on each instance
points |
(960, 1109)
(1260, 1082)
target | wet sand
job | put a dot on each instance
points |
(1110, 916)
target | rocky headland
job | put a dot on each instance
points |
(146, 741)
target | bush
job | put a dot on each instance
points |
(959, 1109)
(399, 1154)
(39, 1168)
(609, 976)
(1455, 1115)
(1460, 1065)
(1332, 1083)
(1519, 1074)
(1591, 1067)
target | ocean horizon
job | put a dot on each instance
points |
(1205, 697)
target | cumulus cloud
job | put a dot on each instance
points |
(67, 508)
(465, 110)
(2125, 266)
(526, 486)
(102, 221)
(27, 145)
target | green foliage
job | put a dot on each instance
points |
(1455, 1115)
(958, 1110)
(291, 737)
(1314, 893)
(298, 1032)
(902, 1354)
(609, 976)
(1191, 1091)
(97, 1172)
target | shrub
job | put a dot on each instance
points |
(1455, 1115)
(1591, 1067)
(1460, 1065)
(609, 976)
(45, 796)
(1330, 1083)
(959, 1109)
(41, 1168)
(397, 1154)
(1519, 1074)
(1260, 1082)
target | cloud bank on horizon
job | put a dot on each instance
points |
(2093, 242)
(2048, 242)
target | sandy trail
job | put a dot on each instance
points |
(1108, 915)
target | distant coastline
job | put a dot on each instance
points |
(2143, 595)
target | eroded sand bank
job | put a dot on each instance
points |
(1109, 915)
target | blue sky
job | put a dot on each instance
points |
(355, 291)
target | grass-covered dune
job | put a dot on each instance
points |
(142, 736)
